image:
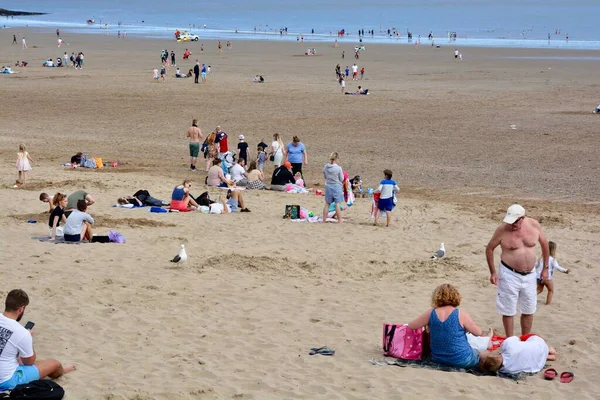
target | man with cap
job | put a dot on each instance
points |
(282, 176)
(516, 278)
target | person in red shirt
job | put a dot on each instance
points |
(221, 139)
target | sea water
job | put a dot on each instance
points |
(505, 23)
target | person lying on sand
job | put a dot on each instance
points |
(234, 202)
(518, 356)
(19, 363)
(141, 198)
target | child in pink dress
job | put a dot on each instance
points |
(299, 180)
(23, 165)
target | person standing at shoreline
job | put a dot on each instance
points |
(219, 47)
(24, 43)
(14, 39)
(516, 278)
(194, 134)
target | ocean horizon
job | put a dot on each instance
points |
(518, 24)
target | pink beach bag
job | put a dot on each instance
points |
(399, 341)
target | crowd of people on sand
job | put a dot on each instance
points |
(74, 61)
(168, 60)
(230, 169)
(343, 76)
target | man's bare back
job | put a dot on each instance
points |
(195, 134)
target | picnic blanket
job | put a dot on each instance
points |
(427, 363)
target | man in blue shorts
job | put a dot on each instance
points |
(16, 343)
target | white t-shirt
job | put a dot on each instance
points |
(15, 341)
(456, 53)
(552, 265)
(277, 148)
(237, 172)
(528, 356)
(354, 68)
(74, 223)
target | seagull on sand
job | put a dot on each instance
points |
(181, 257)
(441, 253)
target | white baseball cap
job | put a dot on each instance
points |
(513, 213)
(241, 137)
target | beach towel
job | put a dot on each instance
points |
(58, 240)
(427, 363)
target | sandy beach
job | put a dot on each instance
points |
(239, 318)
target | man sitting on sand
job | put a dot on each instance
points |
(71, 200)
(597, 110)
(18, 363)
(79, 224)
(282, 176)
(518, 356)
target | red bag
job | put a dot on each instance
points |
(400, 341)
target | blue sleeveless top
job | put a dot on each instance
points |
(178, 194)
(449, 345)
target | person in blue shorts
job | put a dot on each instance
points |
(387, 190)
(16, 343)
(203, 73)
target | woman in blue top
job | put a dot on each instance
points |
(296, 154)
(448, 327)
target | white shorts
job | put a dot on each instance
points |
(515, 289)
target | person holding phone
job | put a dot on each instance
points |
(18, 361)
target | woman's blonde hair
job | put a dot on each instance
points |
(278, 140)
(445, 295)
(333, 156)
(552, 247)
(58, 197)
(22, 148)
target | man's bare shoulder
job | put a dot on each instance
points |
(534, 223)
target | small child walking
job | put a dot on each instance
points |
(387, 190)
(552, 265)
(23, 165)
(260, 157)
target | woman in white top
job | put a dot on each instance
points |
(277, 149)
(552, 265)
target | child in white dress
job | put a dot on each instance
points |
(23, 165)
